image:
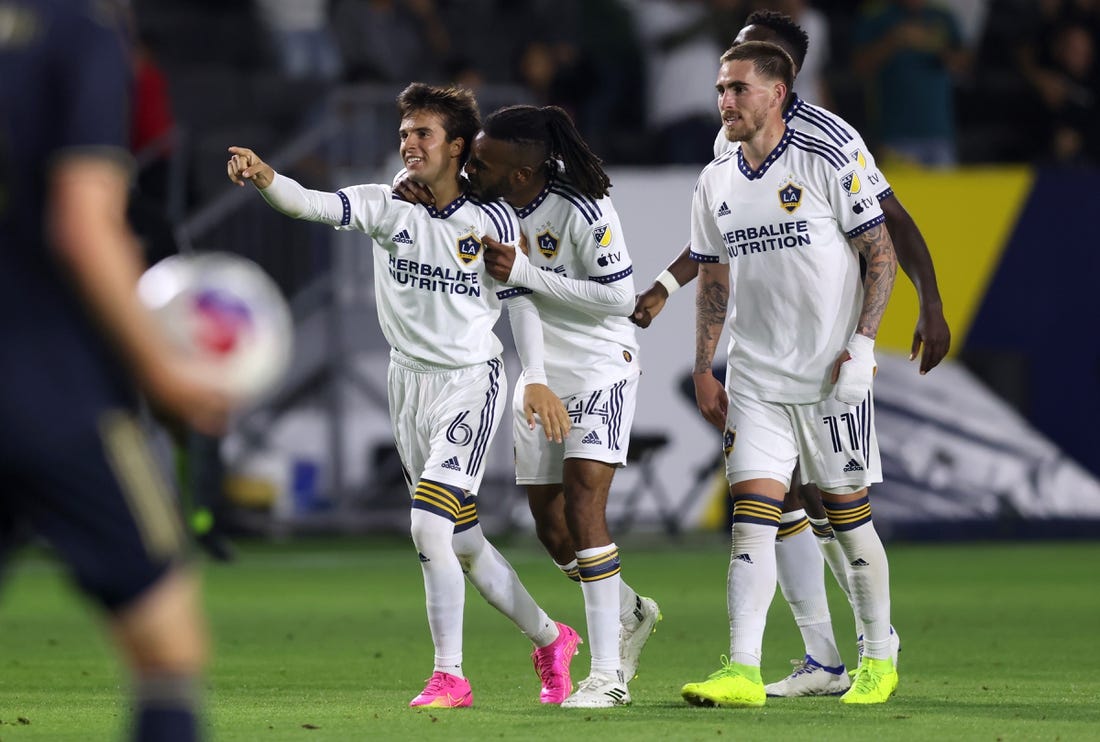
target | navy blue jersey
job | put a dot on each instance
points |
(65, 85)
(74, 463)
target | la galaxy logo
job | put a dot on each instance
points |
(602, 235)
(548, 244)
(727, 441)
(790, 197)
(851, 183)
(468, 248)
(857, 158)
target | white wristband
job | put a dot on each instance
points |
(669, 281)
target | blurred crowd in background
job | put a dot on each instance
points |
(934, 82)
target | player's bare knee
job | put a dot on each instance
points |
(162, 630)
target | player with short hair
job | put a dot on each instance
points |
(801, 571)
(778, 211)
(580, 277)
(437, 305)
(79, 346)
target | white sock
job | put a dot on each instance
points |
(629, 606)
(444, 587)
(801, 572)
(600, 582)
(499, 584)
(838, 564)
(750, 587)
(869, 578)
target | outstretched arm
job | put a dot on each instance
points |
(511, 266)
(649, 303)
(284, 194)
(932, 330)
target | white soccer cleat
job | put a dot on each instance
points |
(599, 691)
(810, 678)
(632, 641)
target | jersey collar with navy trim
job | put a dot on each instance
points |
(780, 148)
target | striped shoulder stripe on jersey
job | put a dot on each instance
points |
(829, 124)
(587, 206)
(345, 218)
(721, 159)
(820, 147)
(502, 219)
(613, 277)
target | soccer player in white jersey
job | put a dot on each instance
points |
(580, 276)
(801, 571)
(779, 213)
(437, 305)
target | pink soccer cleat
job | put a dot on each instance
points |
(445, 691)
(552, 665)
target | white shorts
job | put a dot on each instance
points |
(834, 444)
(601, 432)
(444, 419)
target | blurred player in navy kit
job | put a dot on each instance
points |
(79, 347)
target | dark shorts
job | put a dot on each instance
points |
(89, 485)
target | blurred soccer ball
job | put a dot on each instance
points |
(225, 311)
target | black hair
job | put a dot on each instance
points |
(789, 34)
(456, 108)
(770, 60)
(550, 135)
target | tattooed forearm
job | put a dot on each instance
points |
(710, 313)
(882, 265)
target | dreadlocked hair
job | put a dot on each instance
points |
(792, 38)
(456, 108)
(552, 136)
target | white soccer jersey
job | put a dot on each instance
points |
(575, 242)
(824, 124)
(436, 302)
(795, 286)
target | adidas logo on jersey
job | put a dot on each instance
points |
(853, 465)
(860, 563)
(592, 438)
(723, 210)
(402, 237)
(743, 558)
(452, 463)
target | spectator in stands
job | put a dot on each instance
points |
(1069, 88)
(810, 85)
(392, 40)
(681, 43)
(302, 38)
(911, 53)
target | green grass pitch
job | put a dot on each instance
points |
(327, 640)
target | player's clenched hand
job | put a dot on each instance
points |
(711, 398)
(499, 258)
(244, 164)
(413, 192)
(648, 304)
(540, 402)
(933, 332)
(854, 370)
